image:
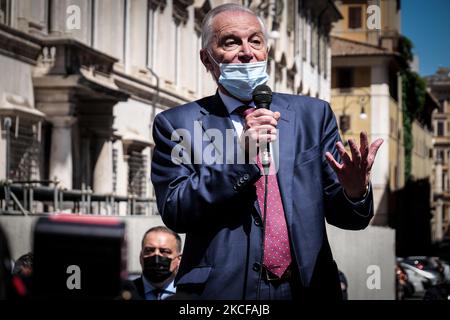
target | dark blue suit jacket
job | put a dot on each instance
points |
(216, 204)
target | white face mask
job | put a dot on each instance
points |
(240, 79)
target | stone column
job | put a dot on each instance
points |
(61, 150)
(102, 177)
(379, 90)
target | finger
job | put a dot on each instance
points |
(262, 112)
(364, 147)
(333, 163)
(356, 155)
(252, 121)
(277, 115)
(373, 152)
(345, 157)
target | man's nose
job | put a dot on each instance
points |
(246, 53)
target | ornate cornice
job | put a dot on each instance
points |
(200, 13)
(69, 56)
(19, 45)
(180, 10)
(157, 4)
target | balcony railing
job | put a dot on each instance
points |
(23, 197)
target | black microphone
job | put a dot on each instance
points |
(262, 96)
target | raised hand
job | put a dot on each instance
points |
(354, 173)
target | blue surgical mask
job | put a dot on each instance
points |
(240, 79)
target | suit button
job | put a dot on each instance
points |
(257, 222)
(246, 177)
(256, 267)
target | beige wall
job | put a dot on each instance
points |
(396, 152)
(421, 161)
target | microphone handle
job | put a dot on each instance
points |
(265, 150)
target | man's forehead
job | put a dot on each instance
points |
(228, 20)
(159, 239)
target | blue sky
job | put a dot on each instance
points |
(427, 24)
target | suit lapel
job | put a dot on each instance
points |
(283, 152)
(214, 118)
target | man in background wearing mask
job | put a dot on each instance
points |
(160, 257)
(233, 250)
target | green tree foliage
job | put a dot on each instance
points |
(414, 91)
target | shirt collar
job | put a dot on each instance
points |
(148, 287)
(232, 103)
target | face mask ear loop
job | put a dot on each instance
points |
(210, 55)
(217, 64)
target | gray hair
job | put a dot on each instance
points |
(207, 31)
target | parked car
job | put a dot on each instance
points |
(428, 264)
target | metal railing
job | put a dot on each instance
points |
(21, 197)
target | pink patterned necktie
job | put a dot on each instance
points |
(277, 253)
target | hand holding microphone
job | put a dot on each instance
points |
(260, 125)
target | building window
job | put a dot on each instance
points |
(323, 56)
(291, 79)
(314, 46)
(137, 175)
(151, 36)
(440, 128)
(5, 11)
(440, 155)
(177, 54)
(137, 164)
(355, 17)
(304, 37)
(114, 169)
(344, 123)
(344, 78)
(126, 28)
(278, 74)
(24, 152)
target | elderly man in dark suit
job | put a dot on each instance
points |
(256, 230)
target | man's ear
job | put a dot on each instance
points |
(179, 261)
(141, 260)
(206, 60)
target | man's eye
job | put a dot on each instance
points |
(230, 43)
(256, 43)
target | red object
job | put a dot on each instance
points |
(74, 218)
(19, 286)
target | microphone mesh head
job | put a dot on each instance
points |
(262, 95)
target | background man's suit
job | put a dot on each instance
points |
(216, 205)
